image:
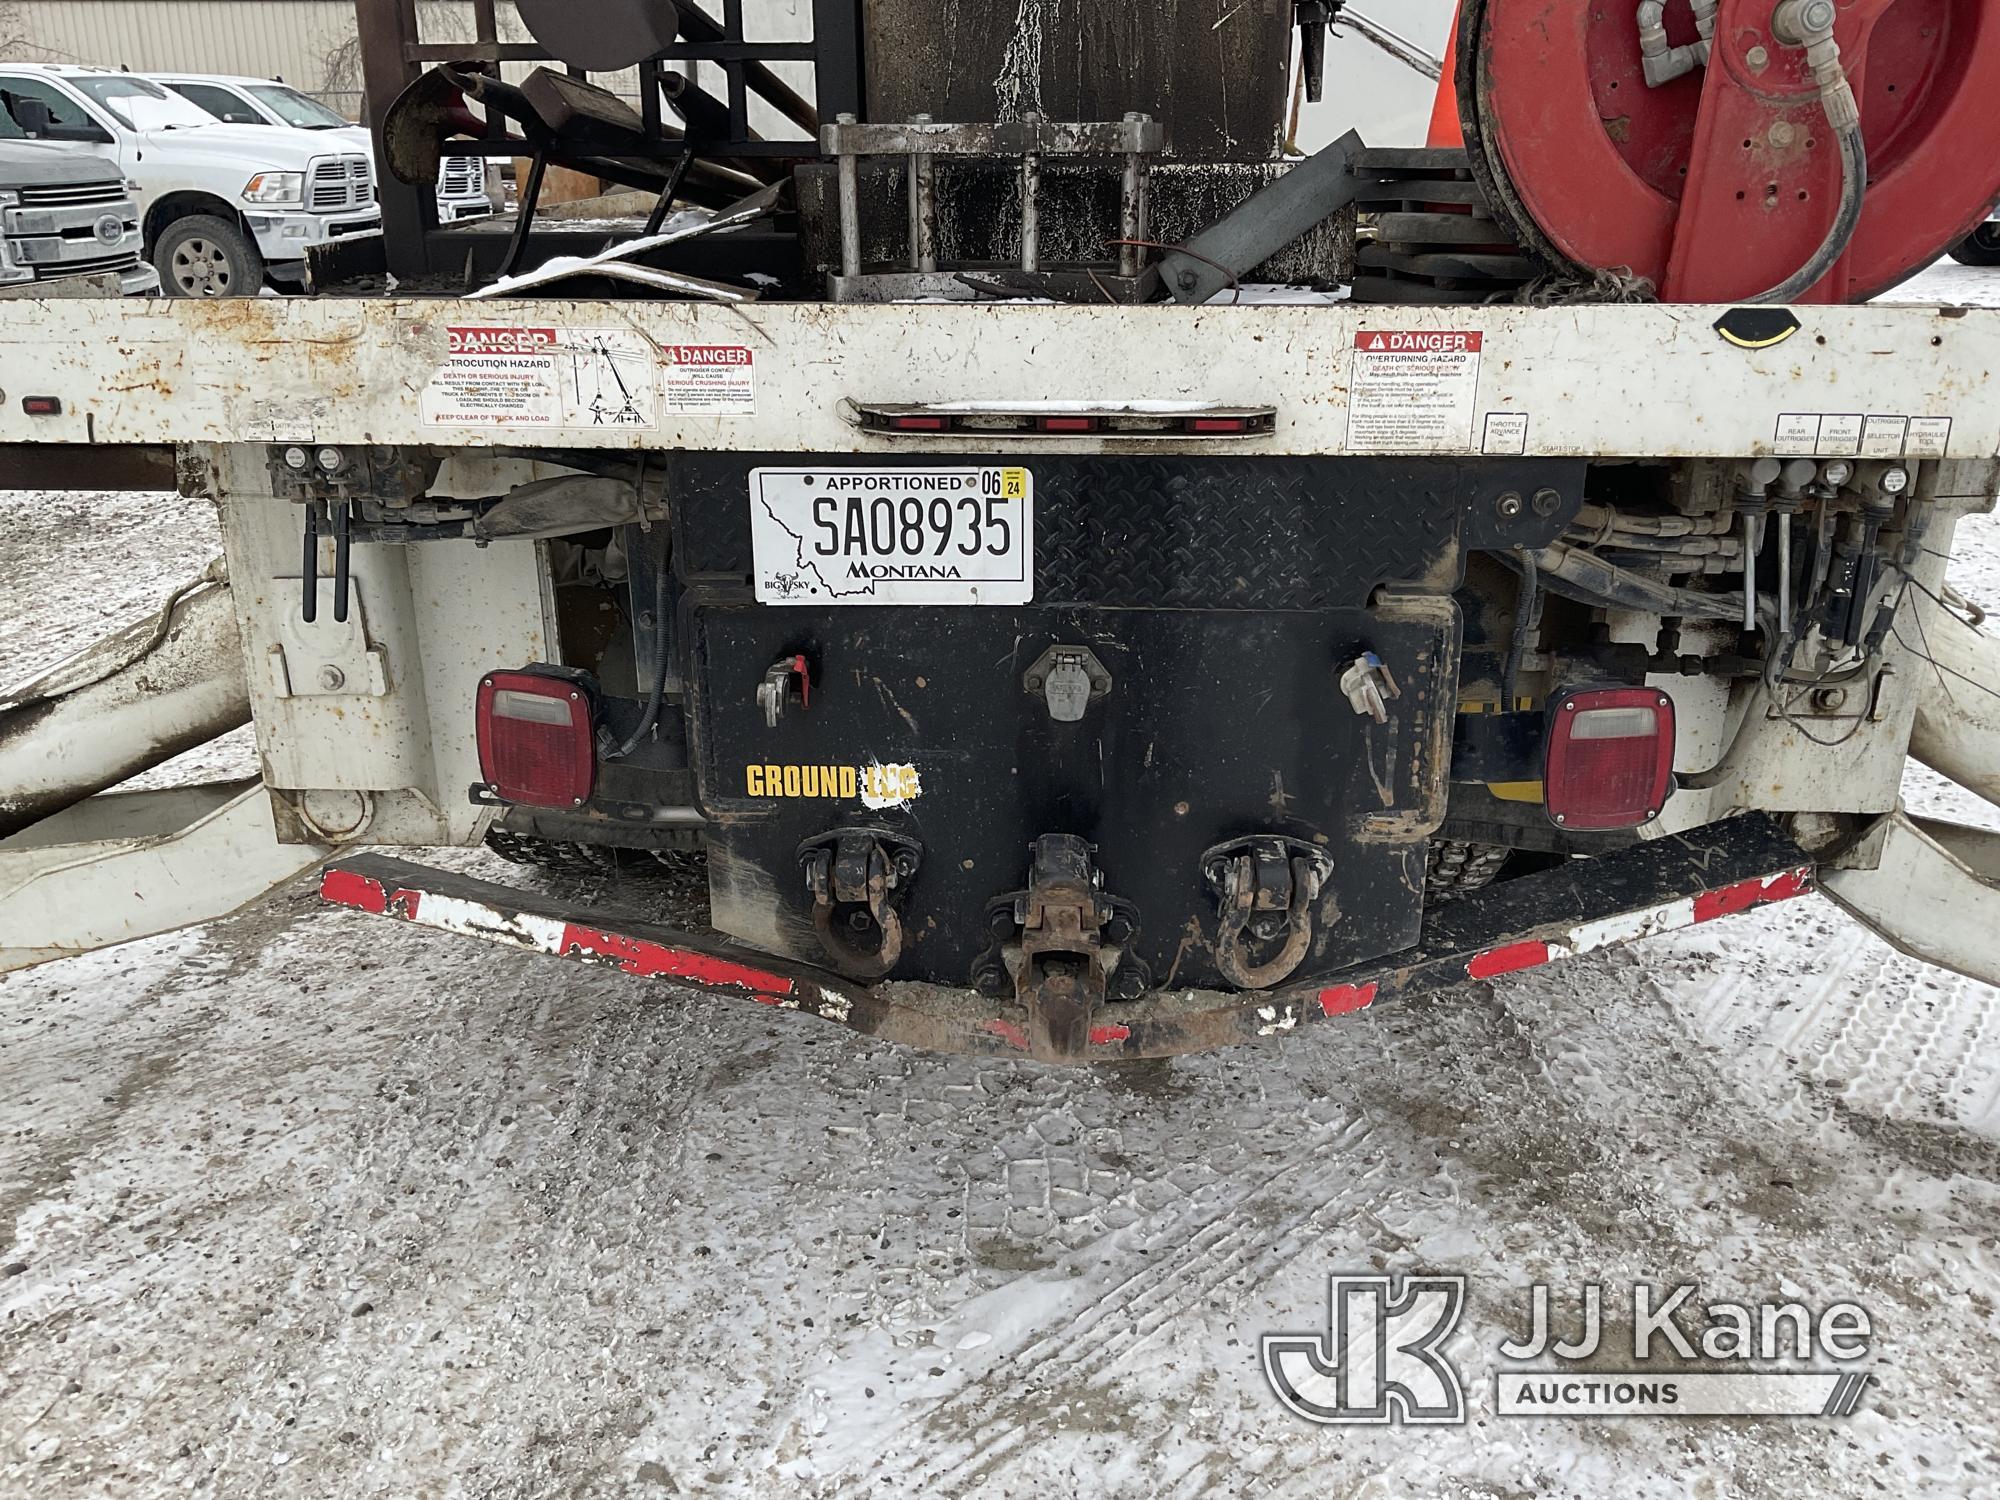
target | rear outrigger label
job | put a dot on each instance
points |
(710, 380)
(1412, 391)
(517, 376)
(874, 786)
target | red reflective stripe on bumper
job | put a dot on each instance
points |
(1508, 960)
(645, 958)
(345, 888)
(1008, 1032)
(1101, 1036)
(1346, 999)
(1747, 894)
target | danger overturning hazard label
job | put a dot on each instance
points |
(1413, 390)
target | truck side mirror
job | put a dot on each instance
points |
(32, 115)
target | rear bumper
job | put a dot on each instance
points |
(1584, 906)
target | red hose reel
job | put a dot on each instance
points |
(1723, 182)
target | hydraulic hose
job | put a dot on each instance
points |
(1853, 191)
(1604, 583)
(1809, 24)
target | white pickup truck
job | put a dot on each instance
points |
(465, 187)
(222, 206)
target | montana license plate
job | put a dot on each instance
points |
(893, 536)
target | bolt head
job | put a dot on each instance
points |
(1757, 59)
(332, 678)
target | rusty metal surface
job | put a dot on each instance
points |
(1654, 381)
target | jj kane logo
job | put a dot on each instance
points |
(1381, 1356)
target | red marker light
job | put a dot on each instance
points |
(1610, 758)
(535, 739)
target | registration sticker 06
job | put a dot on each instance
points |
(901, 535)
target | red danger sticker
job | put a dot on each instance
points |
(501, 340)
(1407, 341)
(707, 354)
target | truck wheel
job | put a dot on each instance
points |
(203, 256)
(1980, 248)
(562, 858)
(1456, 868)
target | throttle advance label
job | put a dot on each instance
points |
(502, 375)
(1411, 391)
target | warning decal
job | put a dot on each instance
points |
(1413, 391)
(543, 377)
(711, 379)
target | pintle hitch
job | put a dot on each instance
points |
(1063, 946)
(858, 878)
(1265, 888)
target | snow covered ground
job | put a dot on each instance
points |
(305, 1204)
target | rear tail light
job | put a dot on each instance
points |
(536, 741)
(1610, 759)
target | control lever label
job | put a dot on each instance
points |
(1413, 391)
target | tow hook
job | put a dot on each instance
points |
(1265, 887)
(858, 878)
(787, 680)
(1063, 946)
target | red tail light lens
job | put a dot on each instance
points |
(1611, 758)
(535, 739)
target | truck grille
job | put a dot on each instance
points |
(462, 177)
(89, 266)
(72, 194)
(340, 182)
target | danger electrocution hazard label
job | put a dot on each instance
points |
(517, 376)
(1413, 391)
